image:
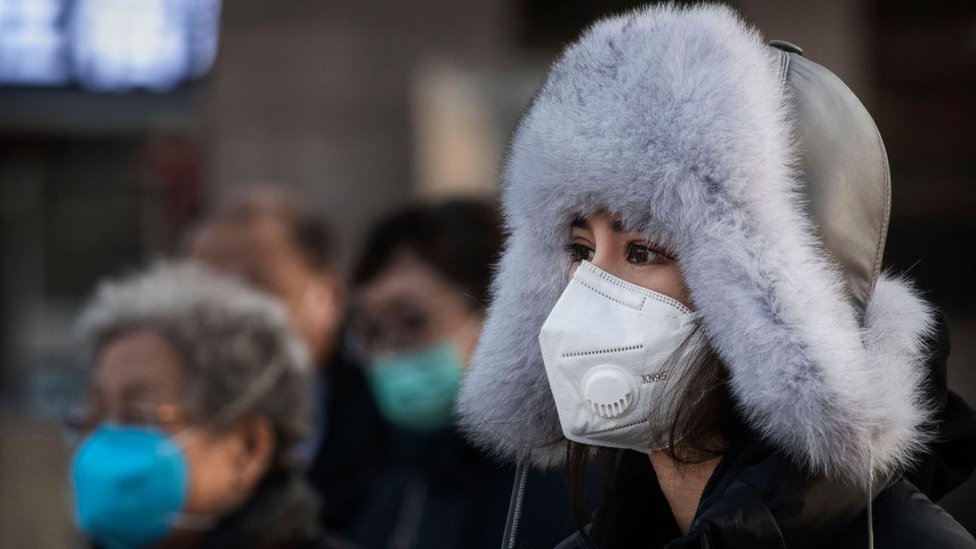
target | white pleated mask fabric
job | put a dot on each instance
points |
(616, 355)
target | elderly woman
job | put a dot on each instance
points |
(197, 399)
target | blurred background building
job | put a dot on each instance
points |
(122, 120)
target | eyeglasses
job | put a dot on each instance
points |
(85, 419)
(394, 332)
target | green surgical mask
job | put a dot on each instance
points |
(416, 390)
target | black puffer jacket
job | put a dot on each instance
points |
(757, 498)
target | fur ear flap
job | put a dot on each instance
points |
(842, 398)
(505, 405)
(897, 324)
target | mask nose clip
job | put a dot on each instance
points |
(609, 391)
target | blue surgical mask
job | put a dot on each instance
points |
(416, 390)
(130, 484)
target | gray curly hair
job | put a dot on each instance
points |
(240, 353)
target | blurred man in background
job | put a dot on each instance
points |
(270, 239)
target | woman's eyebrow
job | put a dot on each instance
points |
(618, 227)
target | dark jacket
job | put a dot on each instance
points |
(438, 492)
(757, 498)
(281, 514)
(952, 455)
(354, 441)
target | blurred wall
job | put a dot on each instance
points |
(317, 94)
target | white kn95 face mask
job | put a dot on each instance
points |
(616, 354)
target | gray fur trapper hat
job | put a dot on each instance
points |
(768, 178)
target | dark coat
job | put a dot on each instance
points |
(354, 442)
(379, 484)
(758, 498)
(281, 513)
(439, 492)
(952, 455)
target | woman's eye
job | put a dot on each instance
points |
(578, 252)
(642, 255)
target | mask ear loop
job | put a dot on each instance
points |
(264, 383)
(255, 392)
(252, 394)
(515, 506)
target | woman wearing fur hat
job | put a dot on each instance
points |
(692, 285)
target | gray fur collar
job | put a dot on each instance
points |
(677, 120)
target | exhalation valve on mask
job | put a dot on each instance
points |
(616, 354)
(609, 390)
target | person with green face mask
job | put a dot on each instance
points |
(415, 390)
(419, 293)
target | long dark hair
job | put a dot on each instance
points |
(703, 424)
